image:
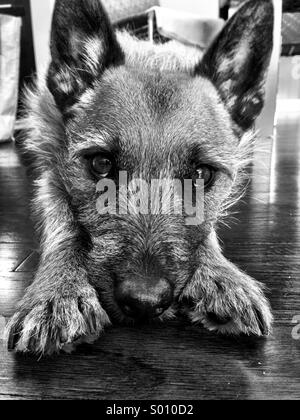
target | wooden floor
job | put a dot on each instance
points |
(175, 361)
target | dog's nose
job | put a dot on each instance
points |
(144, 299)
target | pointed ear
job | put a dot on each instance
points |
(83, 45)
(238, 60)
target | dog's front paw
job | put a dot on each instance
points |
(47, 323)
(229, 305)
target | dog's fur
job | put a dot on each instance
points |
(158, 109)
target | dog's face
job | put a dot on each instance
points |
(151, 121)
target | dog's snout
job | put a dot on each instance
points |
(141, 299)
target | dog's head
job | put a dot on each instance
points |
(125, 106)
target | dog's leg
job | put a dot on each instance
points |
(60, 307)
(223, 298)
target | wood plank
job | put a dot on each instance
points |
(163, 362)
(15, 222)
(16, 227)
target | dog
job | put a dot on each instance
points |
(112, 104)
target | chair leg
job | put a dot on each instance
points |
(266, 123)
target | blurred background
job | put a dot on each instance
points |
(194, 22)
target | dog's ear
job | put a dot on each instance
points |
(83, 45)
(238, 60)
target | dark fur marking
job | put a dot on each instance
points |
(244, 81)
(74, 23)
(160, 92)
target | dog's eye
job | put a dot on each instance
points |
(101, 166)
(207, 174)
